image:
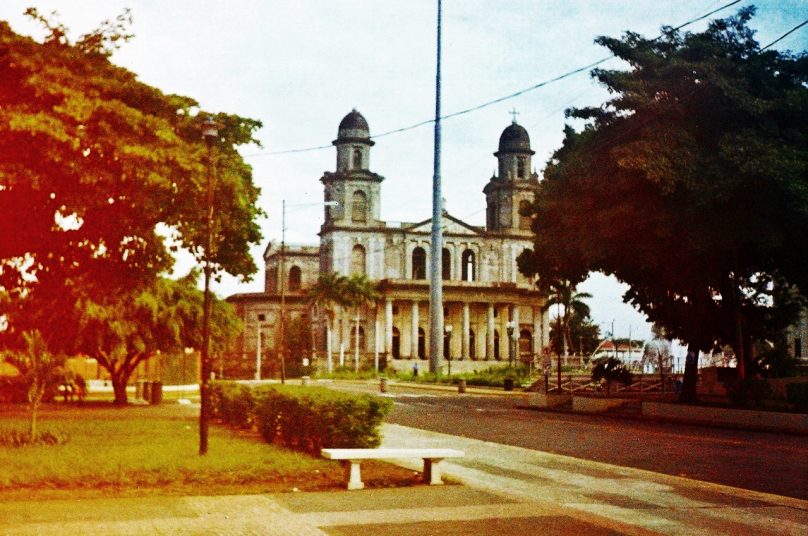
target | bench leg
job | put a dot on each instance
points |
(432, 474)
(353, 475)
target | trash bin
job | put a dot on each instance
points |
(147, 391)
(156, 392)
(508, 384)
(383, 385)
(461, 386)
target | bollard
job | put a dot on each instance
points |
(147, 391)
(383, 385)
(304, 380)
(156, 393)
(461, 386)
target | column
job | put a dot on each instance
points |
(388, 327)
(414, 331)
(489, 332)
(545, 328)
(537, 334)
(464, 343)
(515, 342)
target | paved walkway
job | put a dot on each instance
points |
(509, 490)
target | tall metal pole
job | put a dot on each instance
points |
(283, 293)
(210, 132)
(436, 250)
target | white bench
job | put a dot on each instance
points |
(353, 457)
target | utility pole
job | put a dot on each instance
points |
(436, 250)
(282, 343)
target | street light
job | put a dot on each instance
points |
(282, 270)
(448, 346)
(210, 132)
(510, 326)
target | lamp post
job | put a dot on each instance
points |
(448, 346)
(210, 131)
(282, 269)
(510, 326)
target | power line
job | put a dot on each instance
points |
(498, 99)
(792, 30)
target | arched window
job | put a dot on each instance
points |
(357, 158)
(294, 278)
(525, 345)
(360, 206)
(272, 280)
(472, 346)
(524, 214)
(521, 167)
(358, 260)
(468, 265)
(396, 349)
(496, 346)
(418, 263)
(446, 264)
(421, 343)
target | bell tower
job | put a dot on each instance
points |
(515, 184)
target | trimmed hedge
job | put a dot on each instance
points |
(303, 418)
(797, 394)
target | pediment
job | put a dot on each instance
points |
(451, 226)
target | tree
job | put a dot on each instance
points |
(93, 164)
(358, 291)
(562, 292)
(41, 369)
(690, 185)
(325, 296)
(92, 161)
(584, 335)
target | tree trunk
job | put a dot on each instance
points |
(119, 388)
(691, 377)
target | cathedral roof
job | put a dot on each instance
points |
(353, 121)
(514, 139)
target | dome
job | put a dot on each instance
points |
(514, 139)
(352, 123)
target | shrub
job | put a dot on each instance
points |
(18, 438)
(310, 418)
(233, 404)
(749, 392)
(797, 395)
(611, 369)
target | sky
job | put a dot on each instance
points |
(299, 67)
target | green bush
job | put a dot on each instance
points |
(797, 394)
(233, 404)
(18, 438)
(311, 418)
(749, 392)
(611, 369)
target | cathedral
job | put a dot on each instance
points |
(492, 313)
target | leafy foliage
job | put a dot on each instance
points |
(611, 370)
(306, 419)
(690, 185)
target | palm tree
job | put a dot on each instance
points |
(562, 292)
(328, 293)
(359, 291)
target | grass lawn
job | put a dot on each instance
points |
(142, 450)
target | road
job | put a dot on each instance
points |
(760, 461)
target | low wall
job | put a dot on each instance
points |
(744, 418)
(458, 366)
(593, 404)
(541, 400)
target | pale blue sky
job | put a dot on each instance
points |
(301, 66)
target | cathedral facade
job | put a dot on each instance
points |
(492, 313)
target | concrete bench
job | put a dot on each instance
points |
(353, 457)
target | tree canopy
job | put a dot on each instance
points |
(93, 160)
(690, 184)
